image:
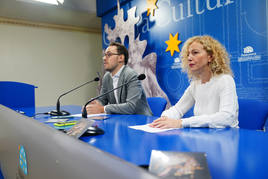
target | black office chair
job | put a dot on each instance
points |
(252, 114)
(157, 105)
(17, 95)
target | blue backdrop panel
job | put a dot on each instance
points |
(241, 25)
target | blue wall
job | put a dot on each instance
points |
(241, 25)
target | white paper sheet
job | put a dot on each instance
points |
(147, 128)
(89, 115)
(56, 120)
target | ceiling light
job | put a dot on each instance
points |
(48, 1)
(54, 2)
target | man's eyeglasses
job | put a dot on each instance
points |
(109, 54)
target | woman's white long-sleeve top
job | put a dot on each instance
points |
(215, 104)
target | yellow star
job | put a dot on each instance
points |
(173, 44)
(151, 6)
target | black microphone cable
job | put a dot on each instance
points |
(44, 113)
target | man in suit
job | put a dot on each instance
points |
(129, 99)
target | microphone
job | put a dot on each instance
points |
(84, 113)
(141, 77)
(58, 112)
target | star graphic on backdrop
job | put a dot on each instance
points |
(151, 6)
(173, 44)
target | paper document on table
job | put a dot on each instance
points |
(89, 115)
(56, 120)
(147, 128)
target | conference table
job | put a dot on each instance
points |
(230, 152)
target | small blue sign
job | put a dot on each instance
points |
(22, 160)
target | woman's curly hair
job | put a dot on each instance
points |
(220, 63)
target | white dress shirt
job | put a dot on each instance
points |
(115, 82)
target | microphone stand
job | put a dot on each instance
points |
(84, 112)
(58, 112)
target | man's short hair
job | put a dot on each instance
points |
(121, 49)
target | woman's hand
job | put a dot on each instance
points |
(165, 123)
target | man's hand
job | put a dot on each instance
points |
(165, 123)
(95, 107)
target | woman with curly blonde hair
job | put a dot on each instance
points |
(212, 89)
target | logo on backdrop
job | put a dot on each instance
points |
(176, 64)
(248, 55)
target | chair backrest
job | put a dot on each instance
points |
(252, 114)
(189, 113)
(17, 95)
(157, 105)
